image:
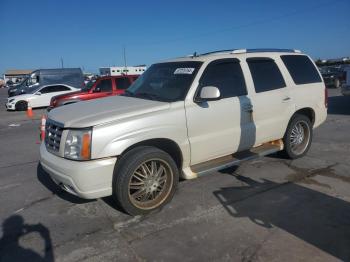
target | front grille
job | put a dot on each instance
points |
(53, 135)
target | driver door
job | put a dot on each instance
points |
(222, 127)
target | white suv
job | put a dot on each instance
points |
(183, 118)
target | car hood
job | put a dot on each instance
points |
(21, 97)
(104, 110)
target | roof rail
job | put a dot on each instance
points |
(265, 50)
(219, 51)
(242, 51)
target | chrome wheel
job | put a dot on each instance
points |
(299, 137)
(150, 184)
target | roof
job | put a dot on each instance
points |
(266, 52)
(16, 72)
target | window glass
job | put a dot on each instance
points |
(227, 76)
(48, 89)
(266, 74)
(168, 82)
(61, 88)
(122, 83)
(301, 69)
(104, 85)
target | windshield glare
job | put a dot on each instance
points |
(168, 82)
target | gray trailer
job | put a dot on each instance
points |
(42, 77)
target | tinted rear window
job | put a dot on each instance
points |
(266, 74)
(301, 69)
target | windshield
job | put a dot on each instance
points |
(88, 86)
(167, 82)
(31, 89)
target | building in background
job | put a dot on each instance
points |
(122, 70)
(16, 75)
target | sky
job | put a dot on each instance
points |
(92, 34)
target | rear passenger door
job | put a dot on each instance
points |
(222, 127)
(271, 101)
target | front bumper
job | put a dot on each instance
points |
(10, 106)
(86, 179)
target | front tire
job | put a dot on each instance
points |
(145, 179)
(21, 106)
(298, 137)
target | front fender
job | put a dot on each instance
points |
(114, 138)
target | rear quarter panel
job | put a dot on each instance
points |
(308, 95)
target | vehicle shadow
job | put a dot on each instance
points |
(316, 218)
(46, 181)
(339, 105)
(14, 229)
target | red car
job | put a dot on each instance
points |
(104, 86)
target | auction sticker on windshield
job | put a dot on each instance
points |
(186, 71)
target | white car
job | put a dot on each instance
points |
(37, 97)
(184, 117)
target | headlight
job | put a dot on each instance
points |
(78, 144)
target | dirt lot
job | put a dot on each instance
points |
(271, 209)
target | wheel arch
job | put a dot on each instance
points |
(165, 144)
(308, 112)
(21, 101)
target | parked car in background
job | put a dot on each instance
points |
(72, 77)
(346, 85)
(102, 87)
(332, 76)
(37, 96)
(184, 117)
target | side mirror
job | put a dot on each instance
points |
(209, 93)
(97, 90)
(38, 93)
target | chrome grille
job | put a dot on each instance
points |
(53, 134)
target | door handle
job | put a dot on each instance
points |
(286, 99)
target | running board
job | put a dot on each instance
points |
(237, 158)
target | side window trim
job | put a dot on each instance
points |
(218, 61)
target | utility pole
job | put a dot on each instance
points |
(124, 53)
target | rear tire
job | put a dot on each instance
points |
(298, 137)
(21, 106)
(145, 179)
